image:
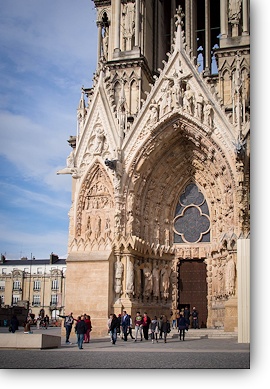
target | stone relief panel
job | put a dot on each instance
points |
(95, 213)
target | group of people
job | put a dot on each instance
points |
(181, 320)
(144, 327)
(83, 327)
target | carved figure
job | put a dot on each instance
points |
(208, 114)
(156, 279)
(148, 280)
(200, 104)
(107, 231)
(129, 24)
(230, 276)
(105, 43)
(118, 274)
(235, 10)
(99, 141)
(97, 227)
(130, 276)
(165, 277)
(188, 100)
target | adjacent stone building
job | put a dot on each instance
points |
(36, 284)
(160, 166)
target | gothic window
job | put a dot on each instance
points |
(191, 221)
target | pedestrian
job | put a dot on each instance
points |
(146, 324)
(174, 318)
(195, 318)
(165, 327)
(38, 322)
(125, 324)
(68, 323)
(177, 319)
(87, 320)
(160, 326)
(46, 321)
(113, 327)
(80, 329)
(130, 328)
(138, 321)
(187, 316)
(27, 327)
(14, 324)
(182, 325)
(154, 329)
(119, 328)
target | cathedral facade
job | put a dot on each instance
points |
(160, 167)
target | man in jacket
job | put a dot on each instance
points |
(68, 325)
(125, 324)
(80, 330)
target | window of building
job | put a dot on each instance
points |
(37, 285)
(191, 221)
(15, 299)
(55, 285)
(54, 299)
(2, 285)
(4, 270)
(39, 270)
(2, 299)
(36, 299)
(16, 285)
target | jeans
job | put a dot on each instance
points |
(68, 331)
(138, 329)
(113, 335)
(195, 323)
(80, 340)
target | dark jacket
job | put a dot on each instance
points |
(182, 323)
(81, 327)
(114, 324)
(125, 321)
(14, 323)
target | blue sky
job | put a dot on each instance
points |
(47, 52)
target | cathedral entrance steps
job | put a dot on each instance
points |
(205, 333)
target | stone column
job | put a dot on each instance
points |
(245, 17)
(187, 26)
(207, 49)
(99, 26)
(193, 28)
(223, 19)
(137, 22)
(243, 279)
(117, 25)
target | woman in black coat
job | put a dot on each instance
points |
(182, 325)
(14, 324)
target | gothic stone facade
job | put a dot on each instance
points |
(160, 163)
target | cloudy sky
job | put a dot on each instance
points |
(47, 52)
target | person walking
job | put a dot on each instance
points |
(68, 323)
(113, 327)
(130, 328)
(195, 318)
(187, 316)
(138, 321)
(87, 320)
(182, 325)
(14, 324)
(146, 324)
(165, 327)
(125, 324)
(46, 321)
(154, 329)
(80, 329)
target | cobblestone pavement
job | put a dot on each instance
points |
(193, 353)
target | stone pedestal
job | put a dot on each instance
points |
(230, 319)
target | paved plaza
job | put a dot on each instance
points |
(193, 353)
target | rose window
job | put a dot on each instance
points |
(191, 221)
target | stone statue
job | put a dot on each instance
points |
(165, 279)
(70, 168)
(153, 113)
(97, 227)
(148, 280)
(105, 43)
(156, 274)
(200, 104)
(118, 274)
(230, 276)
(107, 231)
(208, 111)
(129, 24)
(138, 285)
(235, 10)
(130, 277)
(99, 141)
(188, 100)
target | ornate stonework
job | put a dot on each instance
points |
(160, 169)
